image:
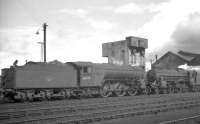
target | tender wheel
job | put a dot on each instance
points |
(43, 96)
(20, 97)
(132, 92)
(48, 95)
(30, 96)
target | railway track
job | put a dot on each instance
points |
(111, 113)
(113, 108)
(75, 108)
(9, 111)
(16, 106)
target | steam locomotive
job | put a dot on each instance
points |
(55, 80)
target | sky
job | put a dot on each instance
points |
(77, 28)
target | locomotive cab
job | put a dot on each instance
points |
(86, 75)
(85, 83)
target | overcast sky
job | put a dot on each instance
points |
(77, 28)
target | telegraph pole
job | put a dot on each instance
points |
(44, 29)
(42, 51)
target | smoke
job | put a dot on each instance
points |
(185, 37)
(187, 34)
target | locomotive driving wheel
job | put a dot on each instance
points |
(105, 90)
(120, 90)
(132, 92)
(120, 93)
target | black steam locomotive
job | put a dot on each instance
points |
(55, 80)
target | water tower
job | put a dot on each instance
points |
(130, 51)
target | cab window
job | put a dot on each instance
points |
(87, 69)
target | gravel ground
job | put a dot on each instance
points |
(156, 118)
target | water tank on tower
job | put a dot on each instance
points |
(130, 51)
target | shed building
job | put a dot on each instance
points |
(171, 60)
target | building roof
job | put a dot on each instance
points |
(184, 53)
(195, 61)
(188, 58)
(167, 54)
(191, 59)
